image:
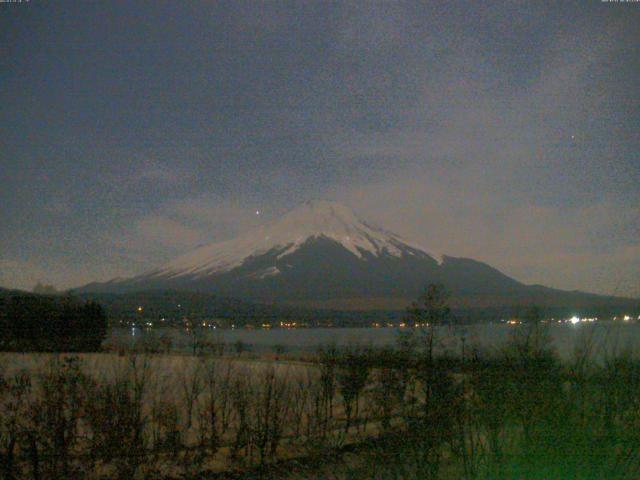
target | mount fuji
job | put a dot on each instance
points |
(321, 254)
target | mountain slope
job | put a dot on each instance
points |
(311, 220)
(322, 254)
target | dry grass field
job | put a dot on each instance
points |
(175, 413)
(516, 412)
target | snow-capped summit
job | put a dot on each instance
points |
(322, 254)
(311, 220)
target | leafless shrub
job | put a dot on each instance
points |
(191, 383)
(209, 347)
(166, 342)
(279, 350)
(214, 409)
(240, 347)
(271, 407)
(149, 343)
(390, 381)
(301, 387)
(352, 375)
(117, 420)
(328, 365)
(14, 410)
(484, 429)
(59, 405)
(165, 420)
(318, 415)
(242, 393)
(434, 424)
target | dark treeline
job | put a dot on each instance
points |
(174, 306)
(49, 323)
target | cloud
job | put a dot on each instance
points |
(179, 226)
(163, 232)
(59, 272)
(503, 133)
(219, 218)
(151, 170)
(509, 167)
(378, 31)
(586, 247)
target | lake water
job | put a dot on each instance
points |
(605, 336)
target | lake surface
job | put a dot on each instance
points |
(604, 336)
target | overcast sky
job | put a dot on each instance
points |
(505, 132)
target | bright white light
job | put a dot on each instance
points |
(627, 318)
(257, 212)
(574, 320)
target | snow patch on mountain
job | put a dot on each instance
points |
(286, 235)
(267, 272)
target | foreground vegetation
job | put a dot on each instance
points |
(409, 412)
(515, 412)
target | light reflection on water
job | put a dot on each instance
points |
(606, 337)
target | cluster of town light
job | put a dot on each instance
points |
(287, 325)
(575, 319)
